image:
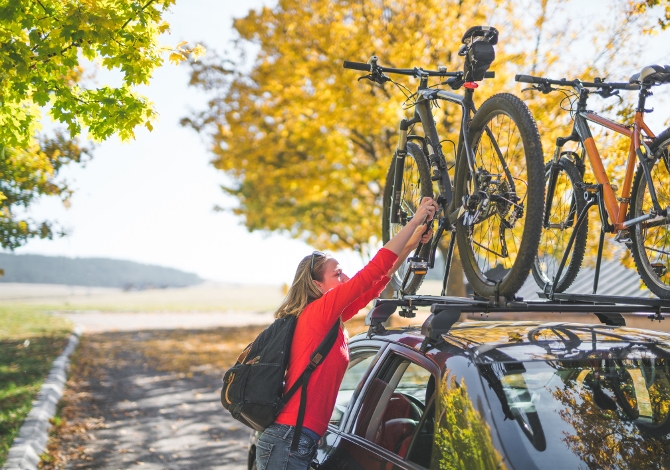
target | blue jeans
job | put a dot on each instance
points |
(273, 449)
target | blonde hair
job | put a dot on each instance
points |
(303, 290)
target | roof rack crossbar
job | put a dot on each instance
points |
(614, 299)
(447, 310)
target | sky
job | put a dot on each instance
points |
(151, 200)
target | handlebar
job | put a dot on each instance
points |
(576, 83)
(414, 72)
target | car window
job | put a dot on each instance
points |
(358, 365)
(421, 447)
(394, 404)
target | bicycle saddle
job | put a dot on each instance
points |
(651, 74)
(485, 31)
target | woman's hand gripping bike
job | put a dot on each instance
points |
(639, 216)
(495, 206)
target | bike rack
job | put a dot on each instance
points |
(446, 310)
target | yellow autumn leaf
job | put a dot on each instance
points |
(197, 52)
(177, 57)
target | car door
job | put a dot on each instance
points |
(391, 412)
(363, 357)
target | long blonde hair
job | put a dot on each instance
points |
(303, 290)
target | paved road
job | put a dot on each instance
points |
(98, 322)
(161, 420)
(154, 419)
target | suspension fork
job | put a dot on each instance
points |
(553, 177)
(399, 168)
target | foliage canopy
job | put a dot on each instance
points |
(307, 146)
(44, 45)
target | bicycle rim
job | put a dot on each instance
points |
(566, 205)
(651, 239)
(416, 184)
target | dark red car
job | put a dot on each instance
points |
(502, 394)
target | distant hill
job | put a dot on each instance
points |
(92, 272)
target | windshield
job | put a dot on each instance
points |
(595, 408)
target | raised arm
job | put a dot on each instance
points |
(384, 263)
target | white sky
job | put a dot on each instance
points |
(150, 200)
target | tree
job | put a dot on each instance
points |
(644, 6)
(307, 146)
(44, 46)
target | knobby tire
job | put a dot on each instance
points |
(651, 240)
(567, 203)
(488, 270)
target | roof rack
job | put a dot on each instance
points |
(446, 310)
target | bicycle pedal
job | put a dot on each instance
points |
(623, 236)
(587, 187)
(418, 266)
(659, 268)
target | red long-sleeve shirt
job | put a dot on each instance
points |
(313, 325)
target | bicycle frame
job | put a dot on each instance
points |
(615, 208)
(434, 152)
(433, 149)
(603, 194)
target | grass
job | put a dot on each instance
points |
(29, 342)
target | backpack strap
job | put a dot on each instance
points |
(302, 381)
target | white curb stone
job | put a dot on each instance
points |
(32, 439)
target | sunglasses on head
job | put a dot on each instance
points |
(311, 264)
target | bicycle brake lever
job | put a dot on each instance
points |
(543, 88)
(380, 79)
(609, 94)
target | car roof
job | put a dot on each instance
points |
(531, 340)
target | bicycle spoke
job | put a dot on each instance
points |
(497, 152)
(657, 250)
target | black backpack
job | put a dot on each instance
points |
(252, 388)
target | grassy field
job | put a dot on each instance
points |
(29, 342)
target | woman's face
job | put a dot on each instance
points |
(332, 276)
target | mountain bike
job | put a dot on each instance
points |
(639, 217)
(495, 207)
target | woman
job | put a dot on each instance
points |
(321, 293)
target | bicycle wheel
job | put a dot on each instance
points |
(651, 238)
(566, 205)
(499, 230)
(416, 184)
